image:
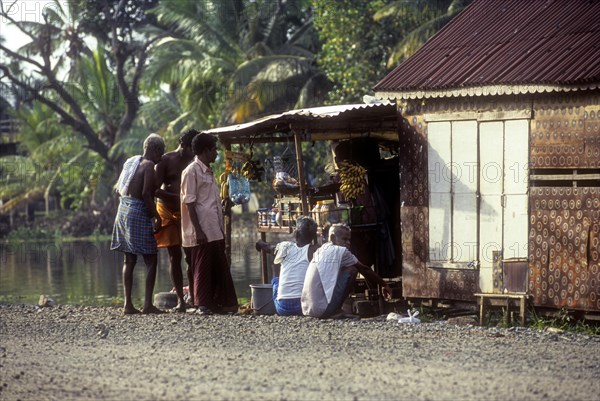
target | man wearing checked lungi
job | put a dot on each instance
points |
(137, 219)
(203, 231)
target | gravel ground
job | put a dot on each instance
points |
(62, 353)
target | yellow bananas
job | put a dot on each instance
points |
(353, 182)
(224, 189)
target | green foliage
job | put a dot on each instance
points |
(131, 17)
(364, 39)
(212, 63)
(354, 46)
(227, 62)
(31, 234)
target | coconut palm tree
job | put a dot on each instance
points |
(230, 61)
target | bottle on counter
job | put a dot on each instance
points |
(316, 213)
(326, 211)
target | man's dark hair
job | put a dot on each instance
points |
(306, 228)
(203, 141)
(186, 139)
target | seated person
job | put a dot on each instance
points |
(292, 259)
(331, 276)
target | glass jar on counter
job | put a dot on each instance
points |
(263, 216)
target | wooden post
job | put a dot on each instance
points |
(263, 262)
(301, 180)
(227, 222)
(481, 310)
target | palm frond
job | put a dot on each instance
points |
(313, 92)
(398, 9)
(21, 200)
(271, 68)
(129, 146)
(415, 39)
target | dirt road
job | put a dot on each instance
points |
(76, 353)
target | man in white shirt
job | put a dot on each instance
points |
(290, 264)
(331, 275)
(203, 230)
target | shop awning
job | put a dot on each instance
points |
(379, 120)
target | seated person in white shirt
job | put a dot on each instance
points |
(290, 264)
(331, 276)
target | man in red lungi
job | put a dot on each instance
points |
(203, 231)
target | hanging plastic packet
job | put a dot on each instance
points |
(239, 189)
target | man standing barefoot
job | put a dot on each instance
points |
(137, 219)
(168, 177)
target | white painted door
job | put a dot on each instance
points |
(503, 176)
(465, 157)
(440, 202)
(516, 174)
(464, 189)
(491, 176)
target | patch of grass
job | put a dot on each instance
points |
(565, 320)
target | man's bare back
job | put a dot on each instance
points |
(169, 169)
(168, 176)
(142, 179)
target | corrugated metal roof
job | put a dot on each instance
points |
(507, 42)
(341, 118)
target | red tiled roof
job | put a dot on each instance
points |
(507, 42)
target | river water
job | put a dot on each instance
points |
(89, 273)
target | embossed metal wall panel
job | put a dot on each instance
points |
(566, 132)
(564, 243)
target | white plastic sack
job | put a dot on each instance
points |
(412, 318)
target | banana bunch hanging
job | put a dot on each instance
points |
(353, 181)
(224, 188)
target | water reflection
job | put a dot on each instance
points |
(89, 273)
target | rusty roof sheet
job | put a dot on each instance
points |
(328, 119)
(507, 42)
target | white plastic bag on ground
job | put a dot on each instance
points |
(412, 318)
